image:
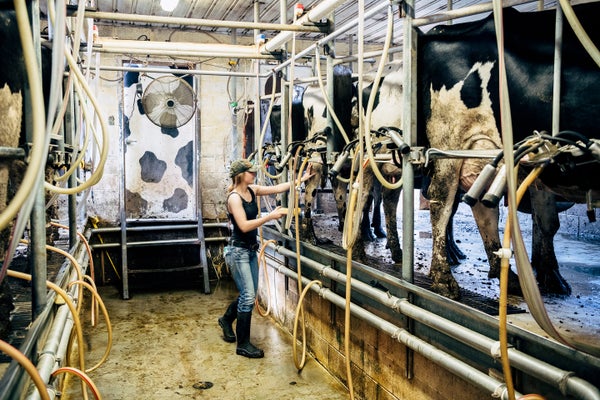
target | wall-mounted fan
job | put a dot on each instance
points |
(169, 101)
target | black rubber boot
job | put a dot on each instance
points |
(244, 347)
(226, 320)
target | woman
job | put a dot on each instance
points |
(241, 254)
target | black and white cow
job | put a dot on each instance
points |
(458, 107)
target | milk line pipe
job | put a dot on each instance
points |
(157, 227)
(340, 31)
(464, 12)
(213, 23)
(154, 242)
(69, 301)
(168, 70)
(432, 353)
(540, 369)
(55, 346)
(27, 365)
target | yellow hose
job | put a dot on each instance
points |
(69, 303)
(352, 206)
(28, 366)
(84, 378)
(38, 150)
(504, 268)
(95, 294)
(94, 307)
(367, 125)
(300, 364)
(262, 260)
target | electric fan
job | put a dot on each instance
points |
(169, 102)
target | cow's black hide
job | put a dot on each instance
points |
(455, 58)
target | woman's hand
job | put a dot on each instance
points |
(308, 173)
(278, 212)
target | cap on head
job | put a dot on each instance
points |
(240, 166)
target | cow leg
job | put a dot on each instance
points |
(545, 224)
(487, 223)
(390, 200)
(365, 224)
(358, 247)
(307, 230)
(377, 198)
(453, 252)
(340, 194)
(442, 191)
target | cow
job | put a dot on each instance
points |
(458, 108)
(309, 119)
(386, 117)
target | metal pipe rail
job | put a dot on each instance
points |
(54, 322)
(441, 358)
(563, 380)
(100, 246)
(195, 22)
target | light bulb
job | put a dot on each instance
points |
(168, 5)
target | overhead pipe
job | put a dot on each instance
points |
(561, 379)
(320, 11)
(464, 12)
(338, 32)
(177, 71)
(213, 23)
(110, 45)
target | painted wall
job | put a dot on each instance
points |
(220, 129)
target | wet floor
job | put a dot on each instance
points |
(167, 345)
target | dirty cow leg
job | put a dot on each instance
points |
(442, 190)
(390, 200)
(487, 222)
(453, 251)
(358, 236)
(365, 224)
(307, 231)
(545, 224)
(376, 219)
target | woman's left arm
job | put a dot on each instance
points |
(262, 190)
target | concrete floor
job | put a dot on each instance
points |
(167, 341)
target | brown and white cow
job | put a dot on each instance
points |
(458, 108)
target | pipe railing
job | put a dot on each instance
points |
(560, 379)
(196, 22)
(432, 353)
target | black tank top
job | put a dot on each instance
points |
(251, 210)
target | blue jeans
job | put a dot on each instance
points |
(243, 264)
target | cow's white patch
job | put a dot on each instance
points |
(388, 111)
(454, 126)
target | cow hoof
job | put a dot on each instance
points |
(514, 288)
(367, 235)
(319, 241)
(454, 254)
(446, 286)
(450, 292)
(380, 233)
(553, 284)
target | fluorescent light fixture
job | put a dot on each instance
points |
(168, 5)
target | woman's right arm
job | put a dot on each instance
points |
(236, 208)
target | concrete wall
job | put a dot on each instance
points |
(378, 361)
(221, 133)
